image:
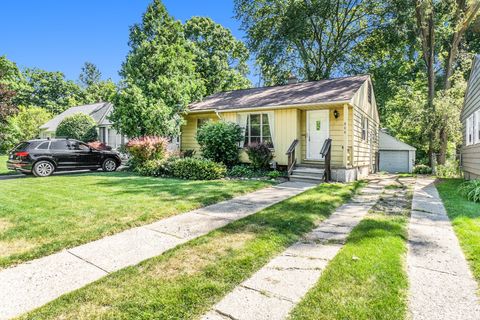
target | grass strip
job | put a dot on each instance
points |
(3, 166)
(465, 217)
(40, 216)
(187, 281)
(367, 279)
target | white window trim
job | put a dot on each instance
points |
(243, 118)
(469, 132)
(476, 131)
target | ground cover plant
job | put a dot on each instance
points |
(367, 279)
(185, 282)
(3, 166)
(53, 217)
(465, 217)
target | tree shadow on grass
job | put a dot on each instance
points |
(370, 229)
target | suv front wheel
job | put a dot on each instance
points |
(43, 168)
(109, 165)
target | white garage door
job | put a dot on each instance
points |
(394, 161)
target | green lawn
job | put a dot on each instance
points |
(367, 279)
(465, 217)
(39, 216)
(3, 166)
(187, 281)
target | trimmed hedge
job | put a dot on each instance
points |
(78, 126)
(197, 169)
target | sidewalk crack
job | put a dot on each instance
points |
(225, 314)
(165, 233)
(267, 293)
(85, 260)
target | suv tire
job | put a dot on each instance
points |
(109, 165)
(43, 168)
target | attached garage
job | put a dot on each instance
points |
(395, 155)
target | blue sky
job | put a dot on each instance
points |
(60, 35)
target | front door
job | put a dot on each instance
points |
(318, 130)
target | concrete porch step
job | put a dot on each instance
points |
(309, 172)
(306, 179)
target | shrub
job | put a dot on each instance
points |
(260, 155)
(197, 169)
(189, 153)
(422, 169)
(154, 168)
(242, 171)
(450, 170)
(274, 174)
(219, 141)
(99, 145)
(78, 126)
(471, 190)
(147, 148)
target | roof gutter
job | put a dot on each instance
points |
(290, 106)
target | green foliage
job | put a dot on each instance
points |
(471, 190)
(260, 155)
(312, 39)
(190, 153)
(89, 75)
(451, 169)
(221, 60)
(197, 169)
(275, 174)
(160, 77)
(219, 141)
(78, 126)
(422, 169)
(242, 171)
(147, 148)
(28, 120)
(49, 90)
(154, 168)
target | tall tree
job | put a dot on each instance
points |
(159, 77)
(90, 75)
(441, 28)
(48, 90)
(311, 38)
(221, 60)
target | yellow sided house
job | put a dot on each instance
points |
(296, 120)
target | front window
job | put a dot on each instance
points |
(469, 134)
(258, 130)
(201, 122)
(364, 121)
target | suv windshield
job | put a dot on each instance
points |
(21, 147)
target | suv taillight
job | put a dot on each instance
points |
(21, 154)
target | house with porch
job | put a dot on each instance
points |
(296, 119)
(99, 112)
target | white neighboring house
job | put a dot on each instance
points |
(99, 112)
(395, 155)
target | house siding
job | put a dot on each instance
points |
(290, 124)
(471, 154)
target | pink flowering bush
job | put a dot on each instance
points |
(99, 145)
(147, 148)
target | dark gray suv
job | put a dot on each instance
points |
(45, 156)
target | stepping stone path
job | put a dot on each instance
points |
(441, 284)
(273, 291)
(32, 284)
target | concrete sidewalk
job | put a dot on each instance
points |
(273, 291)
(32, 284)
(441, 284)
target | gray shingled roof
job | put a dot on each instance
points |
(332, 90)
(388, 142)
(98, 111)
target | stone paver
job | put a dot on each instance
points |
(32, 284)
(273, 291)
(441, 284)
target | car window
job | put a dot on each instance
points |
(43, 146)
(81, 146)
(60, 145)
(22, 146)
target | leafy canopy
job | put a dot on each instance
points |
(160, 78)
(221, 60)
(78, 126)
